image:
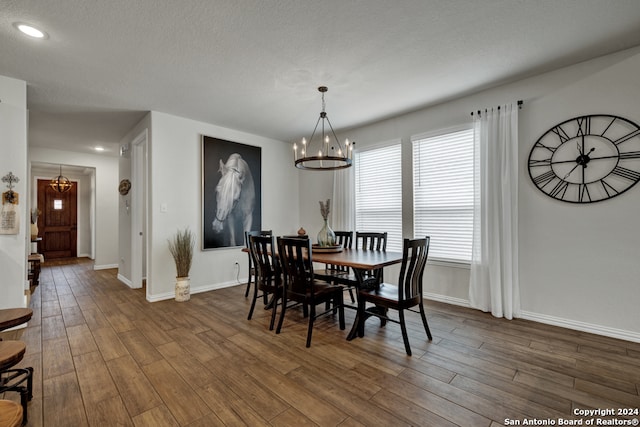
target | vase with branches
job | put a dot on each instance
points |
(326, 236)
(181, 247)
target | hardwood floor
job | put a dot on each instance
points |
(104, 356)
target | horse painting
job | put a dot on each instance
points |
(235, 199)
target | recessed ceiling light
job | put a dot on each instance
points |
(98, 148)
(30, 30)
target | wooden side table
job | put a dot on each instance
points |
(10, 317)
(10, 414)
(19, 380)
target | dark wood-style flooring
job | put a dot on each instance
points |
(104, 356)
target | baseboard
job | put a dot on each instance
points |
(551, 320)
(105, 266)
(84, 256)
(125, 280)
(194, 290)
(447, 299)
(582, 326)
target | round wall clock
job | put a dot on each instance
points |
(587, 159)
(124, 187)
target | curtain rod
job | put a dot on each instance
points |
(520, 102)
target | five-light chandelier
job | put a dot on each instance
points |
(324, 153)
(61, 184)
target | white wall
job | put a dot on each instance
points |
(578, 264)
(124, 214)
(105, 196)
(581, 262)
(13, 158)
(175, 163)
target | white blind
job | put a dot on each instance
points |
(379, 193)
(443, 194)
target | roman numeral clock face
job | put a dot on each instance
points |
(587, 159)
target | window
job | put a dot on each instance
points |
(57, 204)
(443, 194)
(378, 176)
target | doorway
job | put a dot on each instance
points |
(58, 222)
(139, 209)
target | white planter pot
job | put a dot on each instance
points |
(183, 289)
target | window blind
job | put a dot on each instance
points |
(443, 194)
(378, 180)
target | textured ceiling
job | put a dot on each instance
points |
(254, 65)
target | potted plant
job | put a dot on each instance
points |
(181, 248)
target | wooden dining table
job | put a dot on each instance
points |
(360, 261)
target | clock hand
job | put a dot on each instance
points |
(582, 160)
(581, 156)
(572, 169)
(578, 145)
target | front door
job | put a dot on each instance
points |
(57, 224)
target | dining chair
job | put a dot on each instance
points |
(339, 274)
(372, 241)
(252, 270)
(268, 277)
(300, 286)
(405, 296)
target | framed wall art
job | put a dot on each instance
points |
(231, 192)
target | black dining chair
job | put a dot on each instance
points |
(339, 274)
(268, 277)
(372, 241)
(405, 296)
(252, 270)
(301, 287)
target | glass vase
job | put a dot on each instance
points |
(326, 236)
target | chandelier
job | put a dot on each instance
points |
(60, 184)
(324, 153)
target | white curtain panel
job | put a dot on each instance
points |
(494, 283)
(344, 203)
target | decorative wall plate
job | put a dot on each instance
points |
(124, 187)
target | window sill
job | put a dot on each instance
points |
(449, 263)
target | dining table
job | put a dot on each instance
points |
(361, 261)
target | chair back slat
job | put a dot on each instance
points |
(371, 241)
(344, 238)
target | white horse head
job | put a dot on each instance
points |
(235, 192)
